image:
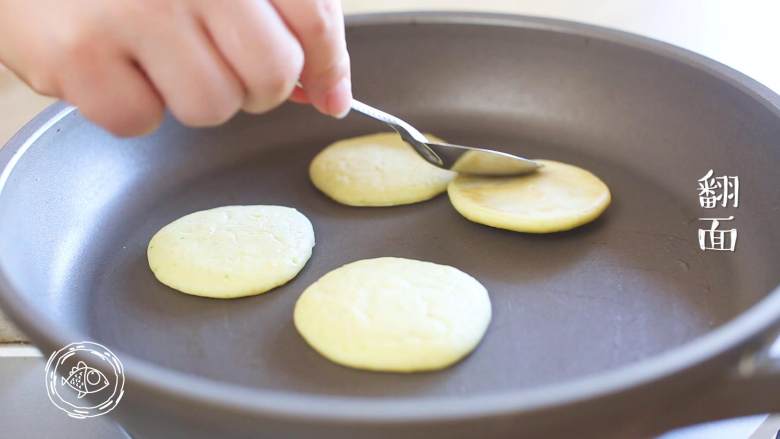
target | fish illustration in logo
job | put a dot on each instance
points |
(85, 379)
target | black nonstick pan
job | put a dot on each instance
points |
(621, 328)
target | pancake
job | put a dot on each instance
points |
(555, 198)
(231, 251)
(394, 314)
(376, 170)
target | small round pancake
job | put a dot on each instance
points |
(557, 197)
(231, 251)
(394, 315)
(376, 170)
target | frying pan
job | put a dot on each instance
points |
(621, 328)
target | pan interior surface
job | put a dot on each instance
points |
(83, 206)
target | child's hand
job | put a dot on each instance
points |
(122, 61)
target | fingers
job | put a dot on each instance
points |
(258, 46)
(299, 96)
(193, 79)
(319, 26)
(112, 92)
(122, 62)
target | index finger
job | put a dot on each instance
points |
(319, 27)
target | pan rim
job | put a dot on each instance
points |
(159, 382)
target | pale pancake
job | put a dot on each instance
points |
(394, 314)
(376, 170)
(231, 251)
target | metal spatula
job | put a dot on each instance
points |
(463, 159)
